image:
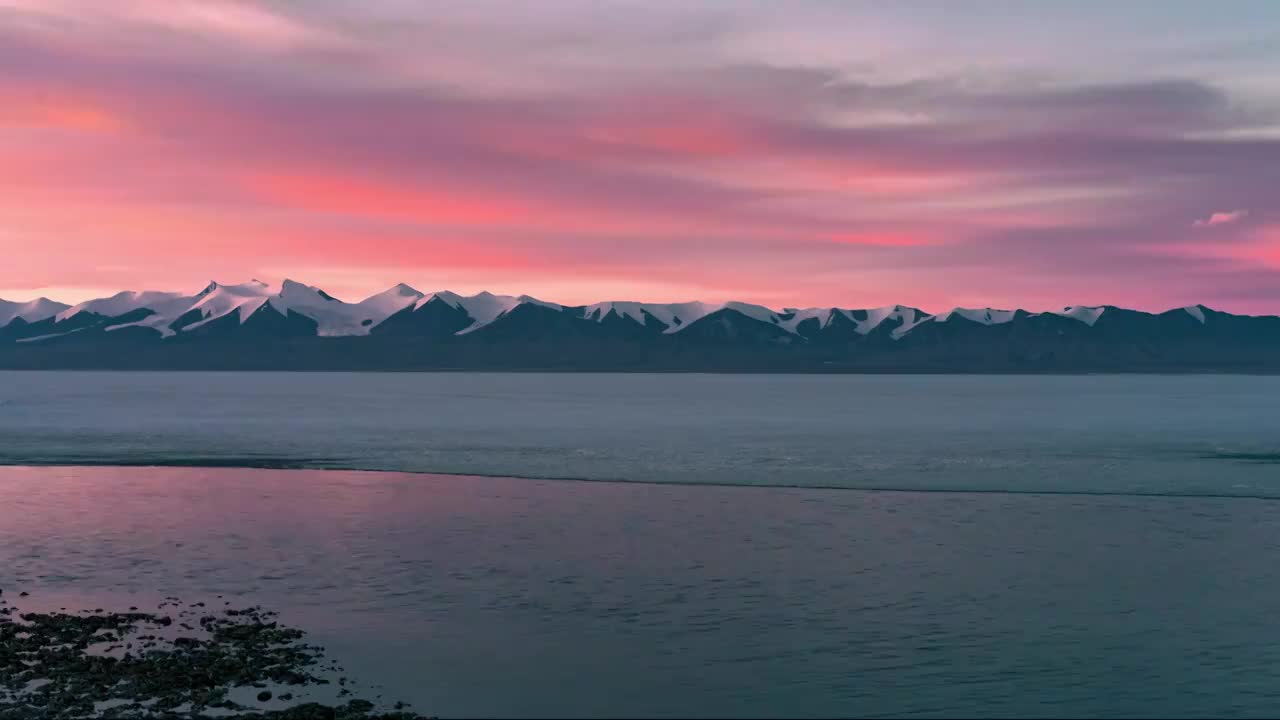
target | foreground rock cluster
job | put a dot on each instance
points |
(182, 661)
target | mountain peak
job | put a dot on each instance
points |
(982, 316)
(29, 311)
(1087, 314)
(294, 291)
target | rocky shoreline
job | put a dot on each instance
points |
(191, 661)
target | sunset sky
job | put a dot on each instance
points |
(1032, 154)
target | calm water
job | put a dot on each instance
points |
(483, 596)
(472, 596)
(1200, 435)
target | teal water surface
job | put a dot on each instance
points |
(786, 546)
(1181, 435)
(475, 597)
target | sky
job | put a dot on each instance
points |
(807, 153)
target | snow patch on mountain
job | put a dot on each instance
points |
(755, 312)
(30, 311)
(214, 302)
(984, 316)
(910, 319)
(483, 308)
(673, 315)
(1196, 311)
(377, 308)
(217, 301)
(795, 316)
(119, 304)
(678, 316)
(790, 319)
(332, 316)
(904, 317)
(907, 318)
(1086, 315)
(49, 336)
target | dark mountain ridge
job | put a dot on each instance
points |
(297, 327)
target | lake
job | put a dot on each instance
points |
(1164, 435)
(798, 545)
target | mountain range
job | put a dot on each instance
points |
(295, 326)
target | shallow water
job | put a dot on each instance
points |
(1185, 434)
(481, 596)
(1094, 563)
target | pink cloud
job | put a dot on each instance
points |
(1222, 218)
(167, 160)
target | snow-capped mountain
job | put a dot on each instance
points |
(409, 328)
(30, 311)
(982, 316)
(387, 303)
(172, 313)
(119, 304)
(482, 308)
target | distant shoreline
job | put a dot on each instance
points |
(1260, 372)
(204, 465)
